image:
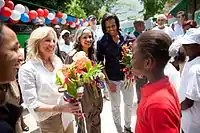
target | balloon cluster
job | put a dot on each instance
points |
(16, 13)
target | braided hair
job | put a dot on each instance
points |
(155, 44)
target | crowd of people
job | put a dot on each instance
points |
(165, 64)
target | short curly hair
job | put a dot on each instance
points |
(155, 44)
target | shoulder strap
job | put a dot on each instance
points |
(68, 59)
(173, 26)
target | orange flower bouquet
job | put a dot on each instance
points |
(78, 75)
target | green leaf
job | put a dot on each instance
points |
(72, 88)
(88, 65)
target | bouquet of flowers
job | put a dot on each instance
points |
(126, 61)
(78, 75)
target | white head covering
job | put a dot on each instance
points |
(64, 32)
(192, 36)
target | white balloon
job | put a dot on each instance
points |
(42, 19)
(15, 15)
(64, 21)
(51, 16)
(64, 16)
(73, 25)
(85, 24)
(26, 10)
(78, 22)
(2, 3)
(20, 8)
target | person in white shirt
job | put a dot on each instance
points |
(178, 55)
(173, 74)
(189, 92)
(161, 21)
(65, 44)
(178, 25)
(97, 32)
(37, 79)
(96, 29)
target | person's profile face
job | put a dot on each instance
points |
(191, 49)
(137, 62)
(10, 57)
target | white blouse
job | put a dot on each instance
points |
(38, 86)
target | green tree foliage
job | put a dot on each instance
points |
(152, 7)
(91, 7)
(52, 4)
(78, 8)
(75, 8)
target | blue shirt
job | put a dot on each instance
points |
(136, 33)
(110, 51)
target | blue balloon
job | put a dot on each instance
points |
(4, 18)
(24, 17)
(69, 18)
(81, 22)
(47, 21)
(34, 21)
(73, 19)
(59, 20)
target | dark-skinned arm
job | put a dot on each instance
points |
(187, 103)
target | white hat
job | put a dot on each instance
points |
(192, 36)
(174, 48)
(64, 32)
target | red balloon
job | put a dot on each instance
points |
(6, 12)
(77, 26)
(59, 14)
(10, 4)
(13, 21)
(55, 20)
(40, 12)
(70, 23)
(33, 14)
(46, 13)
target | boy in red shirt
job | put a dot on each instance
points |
(159, 109)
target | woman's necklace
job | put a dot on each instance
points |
(48, 64)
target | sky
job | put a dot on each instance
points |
(128, 8)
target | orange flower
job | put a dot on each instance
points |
(81, 63)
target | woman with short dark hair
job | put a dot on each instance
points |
(9, 63)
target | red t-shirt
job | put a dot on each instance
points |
(159, 109)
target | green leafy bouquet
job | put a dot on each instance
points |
(75, 77)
